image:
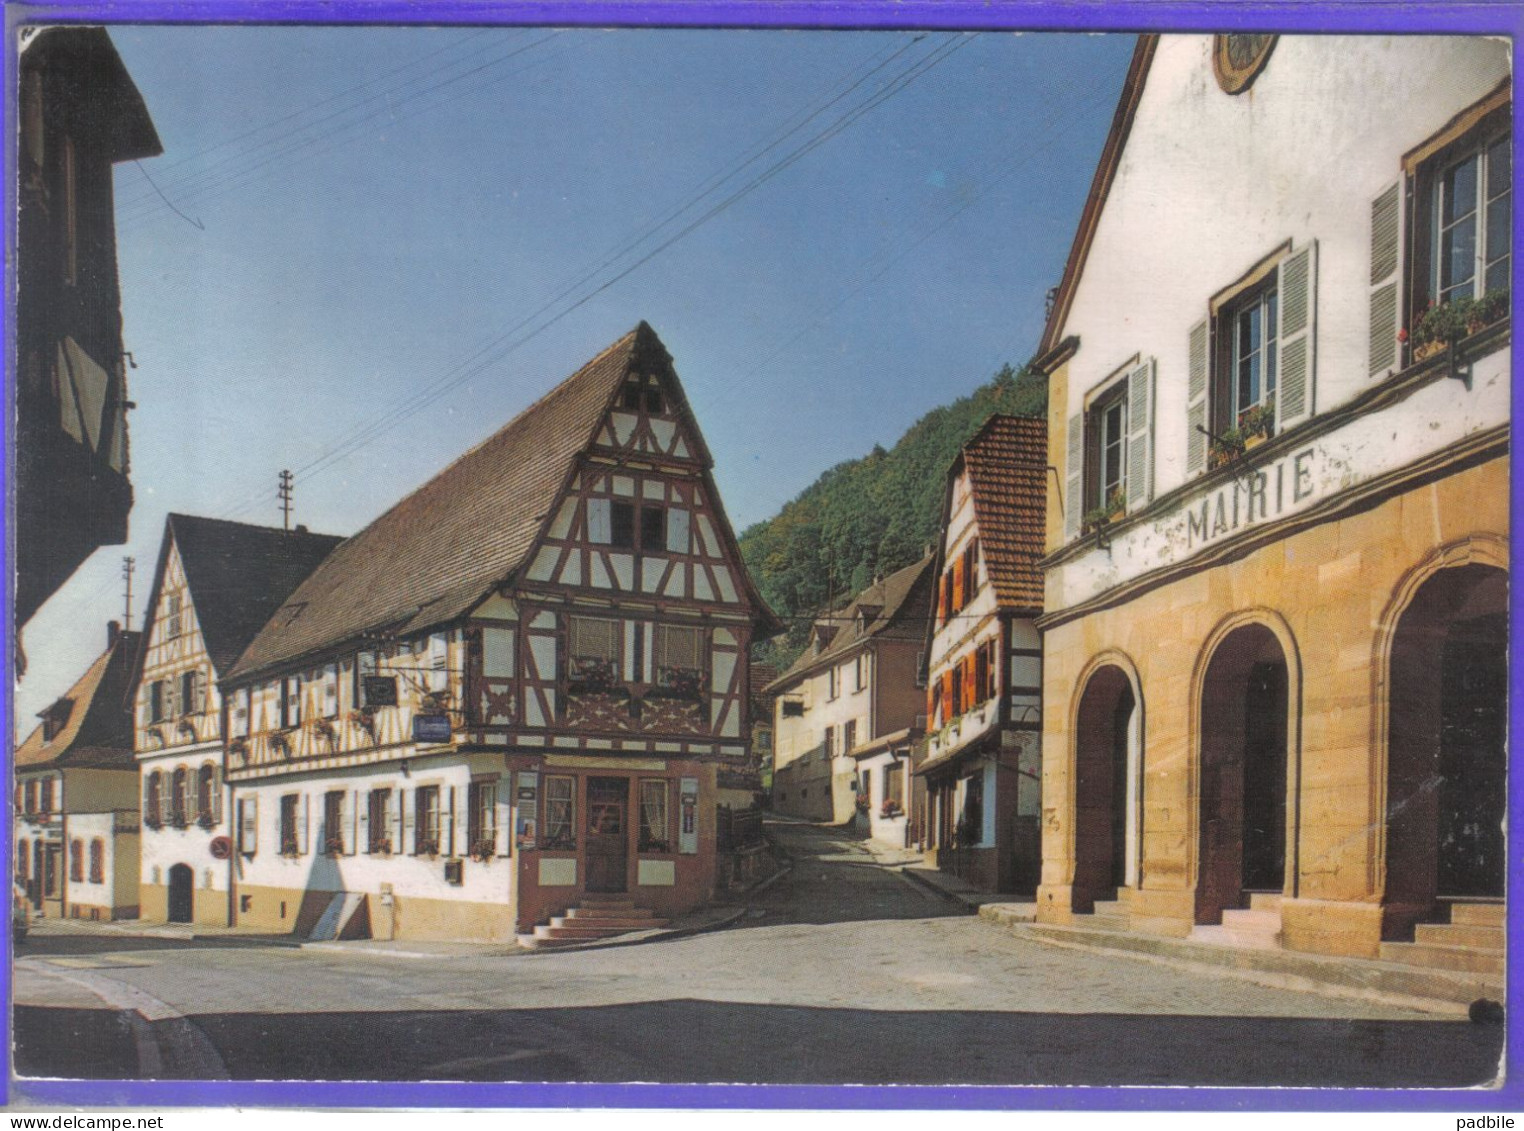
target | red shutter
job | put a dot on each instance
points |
(970, 681)
(948, 709)
(942, 587)
(957, 585)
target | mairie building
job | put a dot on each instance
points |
(1275, 621)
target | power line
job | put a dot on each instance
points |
(495, 352)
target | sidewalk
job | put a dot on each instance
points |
(135, 928)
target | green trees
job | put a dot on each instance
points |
(872, 515)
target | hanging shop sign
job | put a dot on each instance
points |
(431, 728)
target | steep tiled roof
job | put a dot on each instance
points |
(897, 608)
(239, 575)
(1007, 462)
(98, 729)
(443, 548)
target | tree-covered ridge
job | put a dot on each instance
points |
(870, 516)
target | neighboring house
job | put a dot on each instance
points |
(511, 694)
(79, 114)
(982, 765)
(77, 796)
(853, 688)
(1276, 674)
(215, 585)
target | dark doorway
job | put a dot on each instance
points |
(181, 880)
(1446, 746)
(608, 851)
(1105, 807)
(1244, 711)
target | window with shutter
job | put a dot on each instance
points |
(1297, 281)
(1385, 284)
(1140, 435)
(1074, 460)
(1196, 399)
(957, 585)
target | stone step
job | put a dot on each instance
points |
(581, 934)
(1461, 934)
(1265, 901)
(600, 912)
(1432, 957)
(595, 899)
(1110, 907)
(607, 923)
(1105, 921)
(530, 942)
(1008, 913)
(1479, 914)
(1226, 935)
(1262, 922)
(1359, 978)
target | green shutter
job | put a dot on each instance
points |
(1386, 245)
(1196, 401)
(1298, 306)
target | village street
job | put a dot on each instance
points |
(842, 972)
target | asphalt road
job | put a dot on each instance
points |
(843, 972)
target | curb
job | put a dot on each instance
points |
(926, 885)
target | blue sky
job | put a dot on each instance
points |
(384, 243)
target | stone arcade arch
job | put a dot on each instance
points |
(1108, 759)
(1446, 742)
(1246, 762)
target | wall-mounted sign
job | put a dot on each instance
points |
(687, 830)
(431, 728)
(221, 847)
(380, 690)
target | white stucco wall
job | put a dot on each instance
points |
(1209, 184)
(166, 846)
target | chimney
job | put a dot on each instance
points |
(113, 630)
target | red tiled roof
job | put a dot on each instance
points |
(98, 730)
(1007, 462)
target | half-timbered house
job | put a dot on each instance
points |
(508, 698)
(76, 796)
(983, 760)
(214, 585)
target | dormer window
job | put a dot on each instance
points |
(55, 718)
(639, 397)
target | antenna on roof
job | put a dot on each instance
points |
(284, 493)
(128, 565)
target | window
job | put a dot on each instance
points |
(76, 861)
(1109, 450)
(859, 663)
(481, 818)
(55, 719)
(982, 674)
(172, 616)
(153, 799)
(426, 820)
(971, 821)
(31, 796)
(291, 701)
(560, 797)
(178, 795)
(828, 742)
(333, 822)
(240, 713)
(97, 861)
(156, 701)
(23, 858)
(439, 666)
(47, 795)
(206, 794)
(894, 785)
(594, 650)
(677, 656)
(622, 533)
(970, 569)
(654, 832)
(1108, 428)
(379, 820)
(1471, 223)
(190, 693)
(653, 529)
(833, 682)
(248, 825)
(848, 736)
(290, 842)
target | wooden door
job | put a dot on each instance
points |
(180, 894)
(608, 835)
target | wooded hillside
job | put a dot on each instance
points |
(871, 515)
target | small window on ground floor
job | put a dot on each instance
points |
(655, 836)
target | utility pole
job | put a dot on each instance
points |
(285, 499)
(128, 565)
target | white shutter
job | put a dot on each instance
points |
(248, 824)
(1196, 400)
(216, 795)
(599, 525)
(1295, 388)
(405, 815)
(1140, 436)
(449, 826)
(362, 823)
(301, 827)
(1385, 281)
(330, 691)
(504, 817)
(677, 530)
(1074, 502)
(352, 804)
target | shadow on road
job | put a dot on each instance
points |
(688, 1041)
(47, 946)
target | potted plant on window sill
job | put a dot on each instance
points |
(1450, 322)
(890, 808)
(1113, 509)
(1257, 424)
(382, 847)
(484, 849)
(206, 820)
(428, 848)
(1226, 448)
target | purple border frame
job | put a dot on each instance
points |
(1493, 17)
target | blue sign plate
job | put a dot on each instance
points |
(431, 728)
